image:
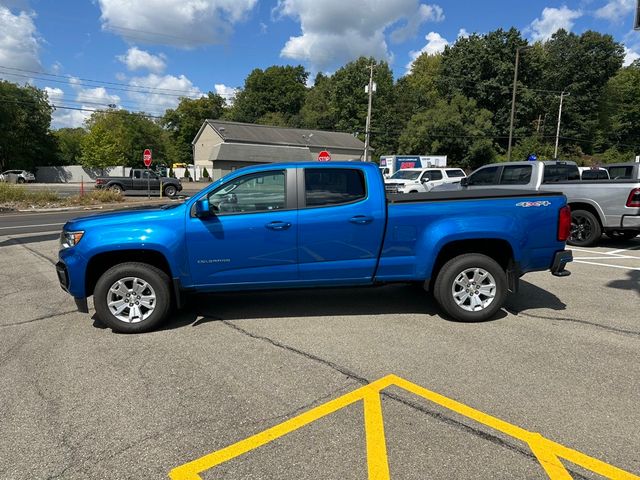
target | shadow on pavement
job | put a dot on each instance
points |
(531, 297)
(632, 283)
(33, 239)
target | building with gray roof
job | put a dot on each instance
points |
(222, 146)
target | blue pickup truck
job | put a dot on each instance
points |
(312, 225)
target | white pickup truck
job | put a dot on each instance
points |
(420, 180)
(611, 207)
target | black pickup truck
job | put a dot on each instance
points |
(141, 179)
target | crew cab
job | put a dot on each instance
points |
(414, 180)
(141, 179)
(597, 206)
(307, 225)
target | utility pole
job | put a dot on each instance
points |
(367, 138)
(555, 152)
(513, 99)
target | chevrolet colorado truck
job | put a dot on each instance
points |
(141, 179)
(311, 225)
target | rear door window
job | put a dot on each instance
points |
(333, 186)
(560, 173)
(433, 175)
(620, 173)
(455, 173)
(516, 175)
(484, 176)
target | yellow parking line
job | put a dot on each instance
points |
(546, 451)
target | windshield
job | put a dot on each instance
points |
(406, 175)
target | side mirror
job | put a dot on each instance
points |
(464, 181)
(425, 179)
(202, 208)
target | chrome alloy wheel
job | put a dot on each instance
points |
(131, 300)
(474, 289)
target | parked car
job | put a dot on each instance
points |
(293, 225)
(140, 179)
(597, 206)
(414, 180)
(18, 176)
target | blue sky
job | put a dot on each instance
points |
(144, 54)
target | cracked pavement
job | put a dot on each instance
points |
(78, 402)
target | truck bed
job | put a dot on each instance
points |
(478, 194)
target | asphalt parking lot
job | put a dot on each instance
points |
(77, 401)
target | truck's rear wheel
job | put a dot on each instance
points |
(115, 188)
(170, 191)
(471, 287)
(585, 229)
(132, 297)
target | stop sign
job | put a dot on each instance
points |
(324, 156)
(146, 157)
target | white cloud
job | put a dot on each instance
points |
(552, 20)
(182, 23)
(435, 44)
(462, 33)
(19, 42)
(136, 59)
(615, 10)
(630, 56)
(228, 93)
(84, 100)
(426, 13)
(165, 93)
(334, 32)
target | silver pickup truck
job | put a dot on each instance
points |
(611, 206)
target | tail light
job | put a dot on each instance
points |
(99, 181)
(564, 224)
(634, 198)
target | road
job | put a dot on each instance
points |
(78, 402)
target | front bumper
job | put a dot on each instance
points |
(560, 260)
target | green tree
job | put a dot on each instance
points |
(581, 65)
(25, 119)
(481, 67)
(69, 142)
(119, 137)
(318, 109)
(276, 90)
(620, 110)
(185, 120)
(458, 129)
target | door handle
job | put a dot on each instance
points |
(278, 225)
(361, 220)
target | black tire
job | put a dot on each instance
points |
(116, 188)
(154, 277)
(621, 234)
(445, 285)
(20, 180)
(585, 229)
(170, 191)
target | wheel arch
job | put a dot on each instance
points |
(498, 249)
(102, 262)
(589, 207)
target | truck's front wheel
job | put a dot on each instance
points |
(132, 297)
(471, 287)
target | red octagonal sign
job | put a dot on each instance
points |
(146, 157)
(324, 156)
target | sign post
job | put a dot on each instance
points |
(147, 158)
(324, 156)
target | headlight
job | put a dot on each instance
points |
(70, 239)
